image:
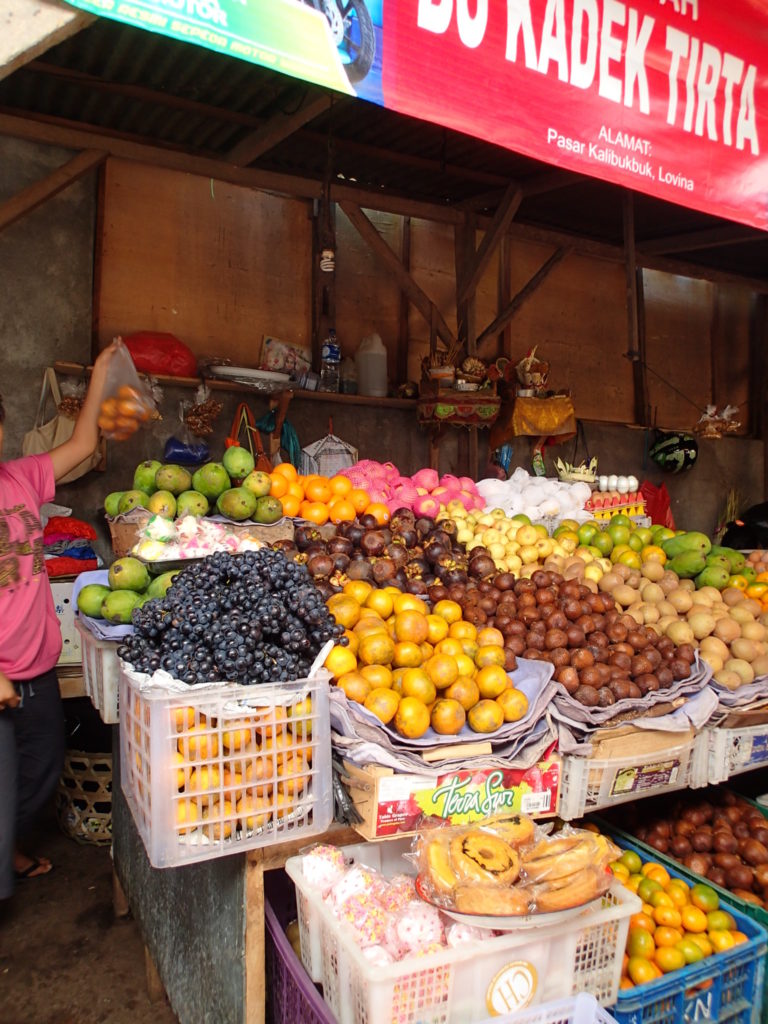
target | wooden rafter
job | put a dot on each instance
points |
(709, 238)
(501, 220)
(635, 349)
(37, 193)
(525, 293)
(276, 129)
(389, 259)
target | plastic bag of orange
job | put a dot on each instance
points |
(127, 401)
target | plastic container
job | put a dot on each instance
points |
(580, 1009)
(292, 998)
(213, 770)
(587, 784)
(71, 653)
(348, 376)
(726, 986)
(101, 673)
(371, 362)
(733, 751)
(462, 985)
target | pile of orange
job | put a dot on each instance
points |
(240, 774)
(321, 499)
(413, 668)
(678, 925)
(121, 414)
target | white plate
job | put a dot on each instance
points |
(248, 373)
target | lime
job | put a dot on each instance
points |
(690, 950)
(704, 897)
(644, 533)
(618, 532)
(631, 861)
(635, 542)
(603, 543)
(647, 888)
(720, 921)
(587, 532)
(620, 520)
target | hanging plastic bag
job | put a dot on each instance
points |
(128, 401)
(181, 448)
(46, 435)
(155, 352)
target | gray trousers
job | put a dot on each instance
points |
(32, 742)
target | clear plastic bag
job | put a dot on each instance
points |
(128, 402)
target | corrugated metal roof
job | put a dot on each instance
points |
(125, 81)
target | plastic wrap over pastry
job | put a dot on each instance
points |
(568, 869)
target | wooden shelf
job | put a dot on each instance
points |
(77, 370)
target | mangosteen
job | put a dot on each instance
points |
(397, 553)
(384, 570)
(320, 565)
(417, 587)
(368, 522)
(325, 588)
(482, 566)
(306, 535)
(354, 532)
(373, 543)
(424, 526)
(340, 561)
(286, 546)
(409, 538)
(402, 519)
(360, 569)
(340, 545)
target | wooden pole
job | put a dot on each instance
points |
(403, 337)
(525, 293)
(633, 329)
(39, 191)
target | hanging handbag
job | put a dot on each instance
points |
(243, 419)
(45, 436)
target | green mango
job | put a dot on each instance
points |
(735, 558)
(687, 565)
(684, 542)
(719, 560)
(713, 576)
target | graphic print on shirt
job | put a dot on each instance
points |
(20, 535)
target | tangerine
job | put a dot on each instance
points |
(407, 655)
(340, 660)
(279, 486)
(184, 718)
(450, 647)
(204, 778)
(416, 683)
(693, 919)
(295, 490)
(359, 589)
(359, 499)
(641, 970)
(465, 664)
(465, 691)
(291, 505)
(490, 636)
(447, 717)
(220, 818)
(437, 628)
(379, 511)
(344, 609)
(368, 625)
(342, 511)
(513, 703)
(318, 489)
(316, 512)
(493, 654)
(340, 485)
(382, 602)
(408, 603)
(376, 649)
(253, 811)
(288, 470)
(669, 959)
(382, 702)
(377, 675)
(667, 936)
(199, 743)
(237, 736)
(448, 610)
(427, 650)
(704, 897)
(492, 681)
(354, 686)
(352, 640)
(442, 670)
(640, 943)
(463, 630)
(411, 718)
(486, 716)
(186, 814)
(411, 625)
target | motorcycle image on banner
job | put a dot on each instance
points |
(352, 31)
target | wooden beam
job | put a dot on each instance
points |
(276, 130)
(710, 238)
(505, 213)
(78, 136)
(403, 335)
(504, 293)
(464, 236)
(630, 279)
(34, 195)
(389, 259)
(525, 293)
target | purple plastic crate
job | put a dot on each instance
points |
(292, 997)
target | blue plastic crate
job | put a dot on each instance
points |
(725, 987)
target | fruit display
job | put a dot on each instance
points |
(248, 618)
(721, 837)
(414, 669)
(129, 586)
(232, 488)
(503, 868)
(679, 924)
(424, 493)
(320, 499)
(536, 497)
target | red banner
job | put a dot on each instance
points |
(669, 97)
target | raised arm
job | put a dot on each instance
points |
(85, 436)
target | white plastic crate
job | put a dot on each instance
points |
(209, 771)
(587, 784)
(65, 613)
(733, 751)
(462, 985)
(581, 1009)
(101, 673)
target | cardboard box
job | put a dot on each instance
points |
(397, 804)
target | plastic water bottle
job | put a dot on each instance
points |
(330, 363)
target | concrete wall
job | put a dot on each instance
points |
(45, 314)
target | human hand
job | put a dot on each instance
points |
(104, 358)
(8, 696)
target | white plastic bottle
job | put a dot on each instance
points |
(371, 360)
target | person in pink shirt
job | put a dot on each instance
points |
(31, 714)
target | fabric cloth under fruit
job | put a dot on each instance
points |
(30, 637)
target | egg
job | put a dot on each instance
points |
(612, 483)
(634, 483)
(602, 483)
(622, 485)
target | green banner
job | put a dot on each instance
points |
(285, 35)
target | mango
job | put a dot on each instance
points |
(687, 565)
(684, 542)
(735, 558)
(716, 576)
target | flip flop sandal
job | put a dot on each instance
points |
(35, 869)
